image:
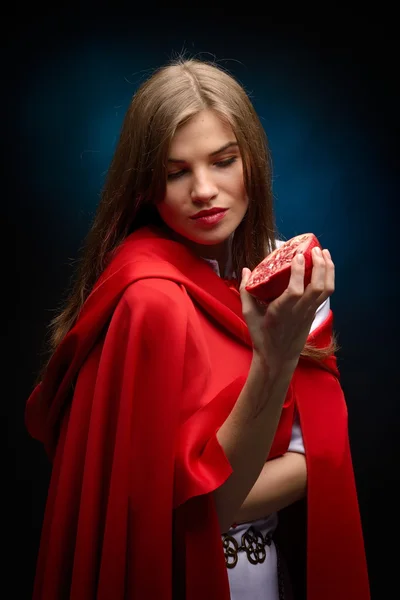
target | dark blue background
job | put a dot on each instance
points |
(327, 100)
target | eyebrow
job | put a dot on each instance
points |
(222, 149)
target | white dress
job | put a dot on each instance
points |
(249, 581)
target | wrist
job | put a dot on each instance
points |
(271, 369)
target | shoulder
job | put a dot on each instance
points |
(151, 310)
(154, 298)
(151, 317)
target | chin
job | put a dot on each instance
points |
(210, 238)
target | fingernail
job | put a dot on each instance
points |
(300, 259)
(317, 251)
(328, 254)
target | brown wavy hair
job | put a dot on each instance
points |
(136, 178)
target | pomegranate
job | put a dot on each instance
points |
(271, 276)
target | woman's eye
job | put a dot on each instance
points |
(221, 164)
(227, 162)
(175, 175)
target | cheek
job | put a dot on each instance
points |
(164, 209)
(170, 207)
(240, 189)
(238, 181)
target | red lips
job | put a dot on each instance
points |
(208, 213)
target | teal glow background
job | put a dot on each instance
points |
(329, 109)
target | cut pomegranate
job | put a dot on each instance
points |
(271, 276)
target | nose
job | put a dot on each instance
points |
(203, 188)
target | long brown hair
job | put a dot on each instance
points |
(136, 179)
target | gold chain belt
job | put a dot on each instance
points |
(253, 543)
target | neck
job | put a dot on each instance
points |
(219, 252)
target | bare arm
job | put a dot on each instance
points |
(247, 436)
(282, 482)
(278, 335)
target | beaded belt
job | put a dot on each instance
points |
(253, 543)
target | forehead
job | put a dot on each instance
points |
(202, 134)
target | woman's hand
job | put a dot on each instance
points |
(280, 329)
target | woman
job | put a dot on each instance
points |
(169, 387)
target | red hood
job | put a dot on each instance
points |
(144, 254)
(89, 544)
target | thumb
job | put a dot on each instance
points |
(246, 298)
(245, 277)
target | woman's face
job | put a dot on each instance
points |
(205, 173)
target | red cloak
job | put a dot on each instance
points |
(128, 412)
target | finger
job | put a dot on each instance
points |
(329, 284)
(314, 291)
(295, 288)
(322, 282)
(246, 298)
(316, 287)
(329, 277)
